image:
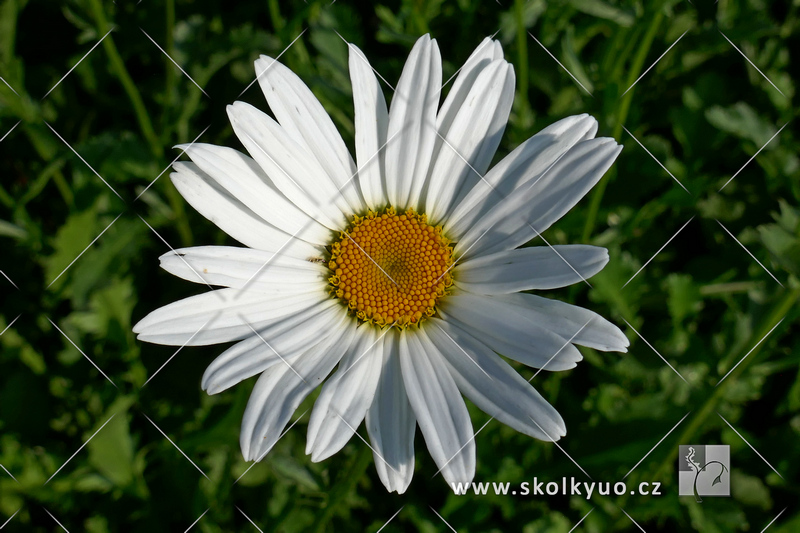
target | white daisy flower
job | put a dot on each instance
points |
(403, 268)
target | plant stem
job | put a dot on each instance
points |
(344, 485)
(278, 22)
(169, 46)
(778, 312)
(522, 50)
(128, 85)
(622, 114)
(145, 124)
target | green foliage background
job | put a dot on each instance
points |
(702, 302)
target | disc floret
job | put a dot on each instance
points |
(391, 269)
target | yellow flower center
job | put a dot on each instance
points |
(391, 269)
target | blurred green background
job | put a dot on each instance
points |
(702, 303)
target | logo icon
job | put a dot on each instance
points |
(704, 470)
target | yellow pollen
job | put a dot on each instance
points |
(391, 269)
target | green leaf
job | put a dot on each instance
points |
(292, 470)
(684, 297)
(72, 238)
(111, 451)
(781, 238)
(742, 121)
(604, 10)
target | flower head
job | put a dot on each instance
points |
(402, 269)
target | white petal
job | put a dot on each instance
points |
(219, 316)
(412, 124)
(391, 423)
(229, 214)
(346, 396)
(493, 385)
(256, 270)
(371, 121)
(537, 267)
(441, 412)
(584, 327)
(480, 58)
(290, 167)
(466, 145)
(306, 121)
(243, 179)
(509, 333)
(281, 388)
(522, 166)
(535, 206)
(277, 343)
